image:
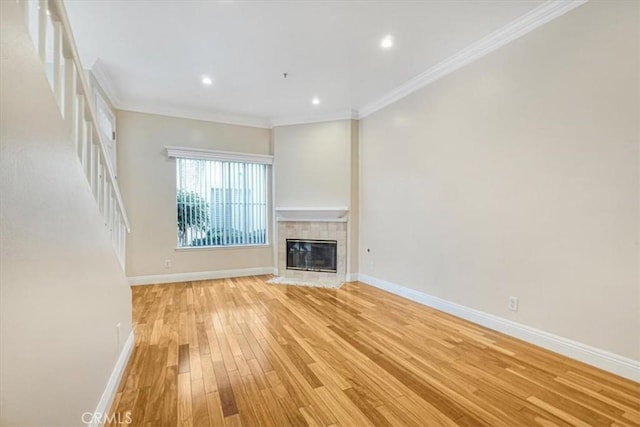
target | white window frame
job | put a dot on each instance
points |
(101, 105)
(226, 156)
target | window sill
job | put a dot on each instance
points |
(217, 248)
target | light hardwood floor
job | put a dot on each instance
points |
(241, 352)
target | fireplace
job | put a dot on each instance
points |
(297, 262)
(312, 255)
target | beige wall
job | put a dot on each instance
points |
(518, 175)
(62, 290)
(316, 166)
(148, 183)
(354, 220)
(312, 164)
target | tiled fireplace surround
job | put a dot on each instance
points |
(313, 230)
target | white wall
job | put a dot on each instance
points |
(62, 290)
(148, 183)
(518, 175)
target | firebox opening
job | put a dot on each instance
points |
(312, 255)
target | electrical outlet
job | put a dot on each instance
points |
(167, 263)
(513, 304)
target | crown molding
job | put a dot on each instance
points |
(515, 29)
(186, 113)
(104, 81)
(238, 120)
(315, 118)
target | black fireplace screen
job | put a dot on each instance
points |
(312, 255)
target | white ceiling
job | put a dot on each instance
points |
(151, 54)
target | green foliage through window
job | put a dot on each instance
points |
(193, 213)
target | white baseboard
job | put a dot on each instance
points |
(602, 359)
(112, 385)
(199, 275)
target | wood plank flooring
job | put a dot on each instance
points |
(239, 352)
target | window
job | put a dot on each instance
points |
(107, 125)
(221, 200)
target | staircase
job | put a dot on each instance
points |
(53, 40)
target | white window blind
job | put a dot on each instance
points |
(221, 203)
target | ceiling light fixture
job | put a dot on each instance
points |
(206, 80)
(315, 100)
(386, 42)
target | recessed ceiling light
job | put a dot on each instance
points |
(315, 100)
(386, 42)
(206, 80)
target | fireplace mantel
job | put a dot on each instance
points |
(331, 214)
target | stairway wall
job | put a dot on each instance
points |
(62, 289)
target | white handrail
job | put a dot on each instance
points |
(73, 95)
